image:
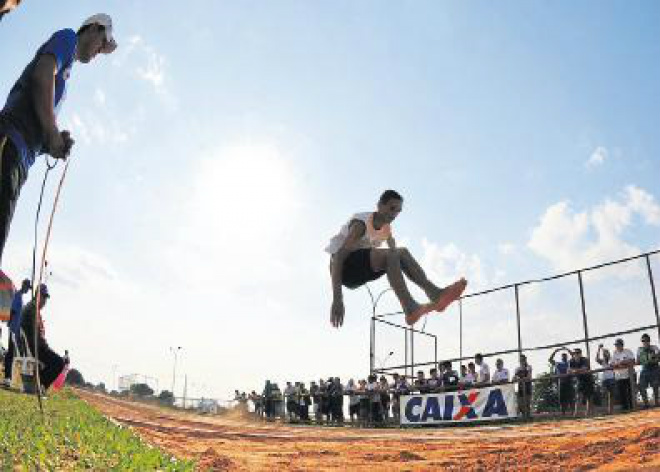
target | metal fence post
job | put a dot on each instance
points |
(460, 332)
(584, 315)
(518, 318)
(655, 298)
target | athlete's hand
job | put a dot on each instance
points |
(337, 313)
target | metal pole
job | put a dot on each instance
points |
(655, 298)
(412, 352)
(405, 336)
(460, 332)
(372, 345)
(584, 315)
(435, 340)
(518, 318)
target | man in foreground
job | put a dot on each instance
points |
(28, 124)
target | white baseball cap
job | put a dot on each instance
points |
(105, 21)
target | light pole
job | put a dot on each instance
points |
(114, 385)
(175, 351)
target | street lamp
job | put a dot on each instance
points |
(175, 351)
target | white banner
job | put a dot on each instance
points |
(479, 404)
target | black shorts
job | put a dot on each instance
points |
(357, 269)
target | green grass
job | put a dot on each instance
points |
(73, 436)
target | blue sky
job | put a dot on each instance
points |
(224, 142)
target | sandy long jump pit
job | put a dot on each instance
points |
(229, 442)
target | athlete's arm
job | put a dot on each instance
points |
(391, 243)
(355, 232)
(43, 80)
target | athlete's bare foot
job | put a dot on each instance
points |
(415, 311)
(449, 294)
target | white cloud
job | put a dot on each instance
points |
(570, 240)
(146, 63)
(598, 157)
(447, 263)
(506, 249)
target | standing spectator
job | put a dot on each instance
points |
(622, 360)
(434, 382)
(303, 402)
(290, 400)
(373, 389)
(472, 371)
(365, 404)
(501, 374)
(523, 375)
(585, 382)
(483, 376)
(467, 378)
(606, 376)
(399, 387)
(337, 396)
(256, 402)
(420, 382)
(385, 397)
(450, 377)
(564, 384)
(648, 356)
(353, 400)
(315, 393)
(28, 121)
(325, 400)
(51, 364)
(267, 395)
(14, 325)
(67, 360)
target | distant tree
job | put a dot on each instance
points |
(74, 377)
(101, 387)
(141, 390)
(545, 397)
(166, 397)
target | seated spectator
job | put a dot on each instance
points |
(564, 384)
(501, 375)
(585, 382)
(434, 382)
(450, 377)
(523, 375)
(648, 356)
(420, 382)
(622, 360)
(51, 364)
(467, 378)
(385, 397)
(483, 375)
(606, 376)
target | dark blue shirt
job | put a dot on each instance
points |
(15, 313)
(18, 118)
(561, 367)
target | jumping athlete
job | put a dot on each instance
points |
(357, 259)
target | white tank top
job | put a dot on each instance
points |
(372, 238)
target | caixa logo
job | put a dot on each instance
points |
(485, 404)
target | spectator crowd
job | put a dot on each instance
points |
(376, 400)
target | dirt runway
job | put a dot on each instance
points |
(230, 442)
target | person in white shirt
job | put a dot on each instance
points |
(291, 407)
(501, 374)
(607, 376)
(483, 375)
(622, 360)
(648, 356)
(356, 258)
